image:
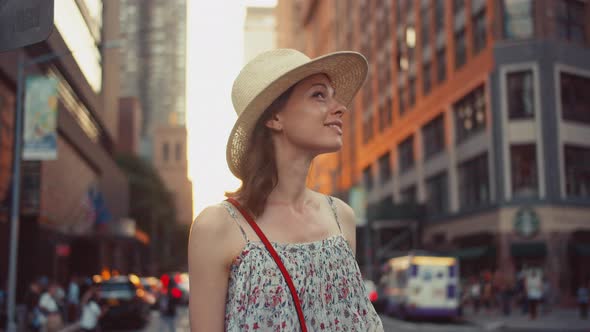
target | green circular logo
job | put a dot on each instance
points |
(526, 222)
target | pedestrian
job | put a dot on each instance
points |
(583, 295)
(73, 299)
(506, 291)
(91, 311)
(534, 290)
(475, 294)
(168, 304)
(547, 296)
(33, 314)
(51, 319)
(290, 110)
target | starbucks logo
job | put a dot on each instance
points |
(526, 222)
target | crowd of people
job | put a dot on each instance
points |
(49, 306)
(530, 292)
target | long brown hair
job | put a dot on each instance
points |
(258, 170)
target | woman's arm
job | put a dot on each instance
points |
(212, 246)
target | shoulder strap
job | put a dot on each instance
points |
(277, 259)
(234, 216)
(334, 210)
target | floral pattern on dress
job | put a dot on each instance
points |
(328, 282)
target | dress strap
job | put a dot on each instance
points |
(334, 210)
(232, 212)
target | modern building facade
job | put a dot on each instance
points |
(153, 62)
(475, 109)
(81, 196)
(153, 70)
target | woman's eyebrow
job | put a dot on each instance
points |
(329, 88)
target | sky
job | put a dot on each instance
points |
(214, 59)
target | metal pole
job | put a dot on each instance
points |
(15, 209)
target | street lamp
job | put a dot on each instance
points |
(16, 174)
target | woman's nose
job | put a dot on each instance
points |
(338, 109)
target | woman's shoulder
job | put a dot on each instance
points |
(212, 219)
(345, 213)
(214, 235)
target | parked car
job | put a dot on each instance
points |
(152, 286)
(128, 303)
(178, 283)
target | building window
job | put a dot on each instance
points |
(401, 100)
(433, 135)
(411, 92)
(570, 20)
(470, 114)
(441, 70)
(575, 97)
(520, 94)
(406, 154)
(518, 19)
(439, 17)
(458, 5)
(368, 178)
(436, 194)
(178, 151)
(388, 111)
(408, 195)
(425, 26)
(577, 171)
(473, 182)
(166, 151)
(426, 82)
(460, 49)
(384, 168)
(479, 31)
(524, 170)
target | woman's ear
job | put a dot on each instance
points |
(274, 123)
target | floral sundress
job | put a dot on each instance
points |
(327, 278)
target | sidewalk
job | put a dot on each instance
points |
(558, 319)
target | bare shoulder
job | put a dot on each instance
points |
(213, 232)
(346, 213)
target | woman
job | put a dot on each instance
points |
(290, 110)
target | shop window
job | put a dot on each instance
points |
(406, 154)
(577, 171)
(436, 194)
(474, 182)
(524, 170)
(570, 15)
(520, 94)
(518, 19)
(384, 168)
(470, 114)
(575, 97)
(433, 137)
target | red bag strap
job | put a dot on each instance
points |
(277, 259)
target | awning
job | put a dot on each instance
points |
(473, 252)
(582, 249)
(529, 249)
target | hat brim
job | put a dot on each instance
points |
(347, 72)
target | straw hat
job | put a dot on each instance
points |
(271, 73)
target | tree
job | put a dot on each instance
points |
(152, 206)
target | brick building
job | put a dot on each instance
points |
(476, 110)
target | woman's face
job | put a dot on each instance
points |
(311, 119)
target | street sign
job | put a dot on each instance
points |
(24, 22)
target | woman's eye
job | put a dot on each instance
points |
(319, 94)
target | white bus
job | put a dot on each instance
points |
(415, 286)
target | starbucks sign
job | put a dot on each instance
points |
(526, 222)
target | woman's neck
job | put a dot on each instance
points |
(292, 172)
